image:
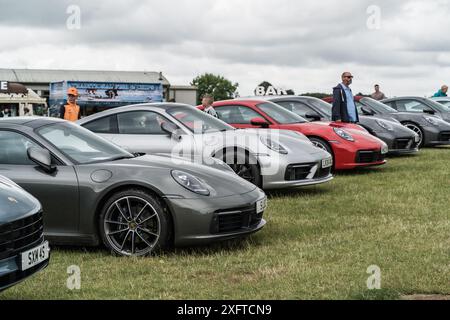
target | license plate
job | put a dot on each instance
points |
(327, 163)
(34, 256)
(261, 205)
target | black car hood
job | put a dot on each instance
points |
(225, 183)
(15, 203)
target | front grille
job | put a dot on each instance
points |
(403, 143)
(232, 220)
(369, 156)
(298, 171)
(20, 235)
(322, 173)
(444, 136)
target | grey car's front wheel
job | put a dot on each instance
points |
(133, 223)
(414, 127)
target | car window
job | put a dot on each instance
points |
(296, 107)
(79, 144)
(280, 114)
(14, 148)
(102, 125)
(236, 114)
(359, 107)
(198, 121)
(391, 104)
(140, 122)
(411, 106)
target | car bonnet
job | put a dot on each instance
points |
(225, 183)
(15, 203)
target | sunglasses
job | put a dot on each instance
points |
(351, 77)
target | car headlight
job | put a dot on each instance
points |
(272, 145)
(384, 149)
(190, 182)
(432, 120)
(343, 134)
(385, 125)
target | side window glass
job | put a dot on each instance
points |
(236, 114)
(411, 106)
(102, 125)
(140, 122)
(13, 148)
(297, 107)
(248, 114)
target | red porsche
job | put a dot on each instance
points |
(350, 147)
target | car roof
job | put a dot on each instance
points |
(161, 106)
(440, 98)
(405, 97)
(32, 122)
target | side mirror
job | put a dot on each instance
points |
(42, 158)
(367, 111)
(259, 122)
(171, 129)
(429, 111)
(313, 116)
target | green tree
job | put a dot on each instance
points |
(216, 85)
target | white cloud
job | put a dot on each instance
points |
(301, 45)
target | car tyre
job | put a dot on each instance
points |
(133, 222)
(243, 167)
(417, 129)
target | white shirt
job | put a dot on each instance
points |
(210, 110)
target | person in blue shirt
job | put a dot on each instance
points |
(442, 92)
(344, 107)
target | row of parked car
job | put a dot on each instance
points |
(138, 179)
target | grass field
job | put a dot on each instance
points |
(318, 244)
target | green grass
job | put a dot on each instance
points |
(318, 244)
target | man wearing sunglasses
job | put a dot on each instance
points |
(344, 108)
(71, 111)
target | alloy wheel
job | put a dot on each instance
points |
(132, 226)
(417, 130)
(245, 171)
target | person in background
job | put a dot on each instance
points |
(71, 111)
(6, 113)
(207, 102)
(441, 92)
(377, 95)
(26, 112)
(344, 108)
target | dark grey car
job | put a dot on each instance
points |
(399, 139)
(432, 130)
(23, 251)
(419, 105)
(93, 191)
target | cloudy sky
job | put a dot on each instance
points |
(303, 45)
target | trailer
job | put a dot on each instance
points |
(94, 97)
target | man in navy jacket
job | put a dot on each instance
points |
(344, 108)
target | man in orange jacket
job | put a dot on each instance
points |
(71, 111)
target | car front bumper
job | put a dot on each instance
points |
(399, 144)
(435, 136)
(10, 273)
(286, 171)
(346, 156)
(205, 220)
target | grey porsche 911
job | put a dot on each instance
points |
(93, 191)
